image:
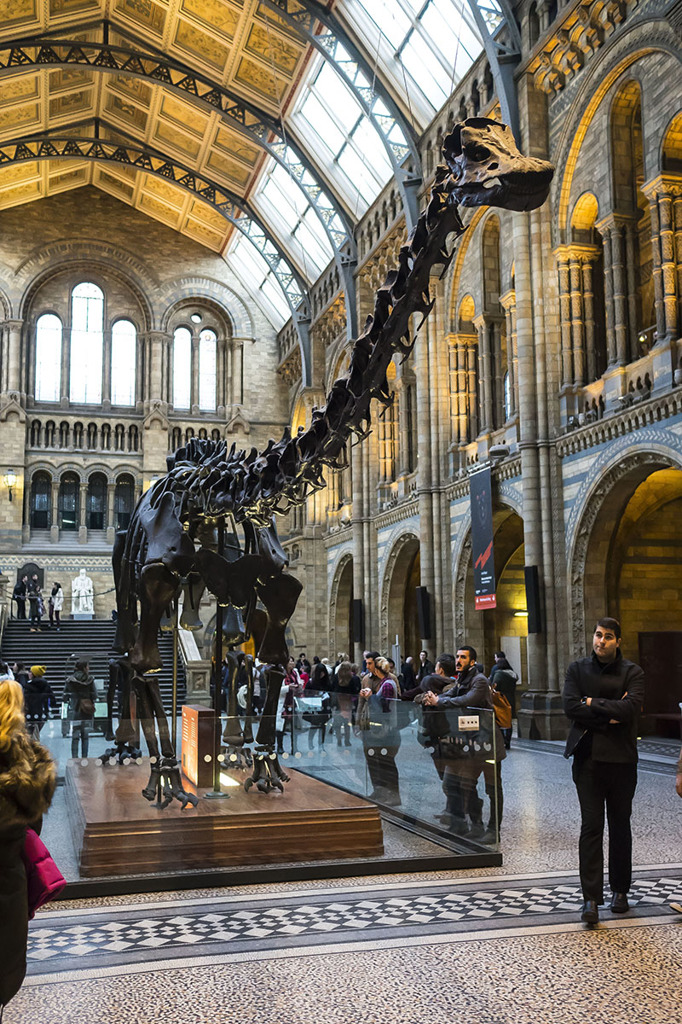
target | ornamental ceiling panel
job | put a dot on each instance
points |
(241, 46)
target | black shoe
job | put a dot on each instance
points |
(489, 837)
(476, 831)
(619, 903)
(590, 912)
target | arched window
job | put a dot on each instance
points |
(507, 396)
(48, 358)
(41, 503)
(208, 355)
(87, 322)
(123, 344)
(97, 502)
(182, 368)
(124, 499)
(69, 492)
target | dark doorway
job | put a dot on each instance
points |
(660, 655)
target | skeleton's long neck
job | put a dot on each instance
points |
(404, 294)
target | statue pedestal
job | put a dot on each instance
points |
(81, 616)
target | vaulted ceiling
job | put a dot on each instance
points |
(183, 109)
(243, 47)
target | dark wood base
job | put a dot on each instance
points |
(119, 833)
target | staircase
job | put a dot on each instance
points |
(88, 640)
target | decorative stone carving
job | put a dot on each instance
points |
(82, 595)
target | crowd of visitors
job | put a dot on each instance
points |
(30, 590)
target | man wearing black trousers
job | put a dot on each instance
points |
(603, 696)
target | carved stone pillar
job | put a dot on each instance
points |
(662, 193)
(110, 524)
(565, 317)
(588, 305)
(472, 386)
(82, 506)
(54, 520)
(611, 350)
(508, 303)
(14, 360)
(156, 344)
(577, 325)
(485, 375)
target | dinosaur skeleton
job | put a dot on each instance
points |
(183, 532)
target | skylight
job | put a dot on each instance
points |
(426, 46)
(247, 263)
(284, 207)
(346, 144)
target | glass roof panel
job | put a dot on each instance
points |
(432, 40)
(346, 143)
(260, 280)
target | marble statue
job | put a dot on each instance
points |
(82, 594)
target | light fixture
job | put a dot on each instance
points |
(520, 615)
(10, 481)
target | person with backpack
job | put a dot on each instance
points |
(503, 680)
(81, 692)
(473, 691)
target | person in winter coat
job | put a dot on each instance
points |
(35, 603)
(55, 605)
(377, 719)
(38, 699)
(27, 784)
(603, 698)
(81, 692)
(291, 687)
(19, 595)
(344, 696)
(504, 678)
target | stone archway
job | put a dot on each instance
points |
(341, 608)
(591, 587)
(398, 617)
(483, 630)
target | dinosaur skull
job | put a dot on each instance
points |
(488, 169)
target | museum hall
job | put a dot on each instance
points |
(341, 352)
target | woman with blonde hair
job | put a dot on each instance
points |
(27, 783)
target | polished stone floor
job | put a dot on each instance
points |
(495, 946)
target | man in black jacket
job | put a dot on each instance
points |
(603, 695)
(461, 775)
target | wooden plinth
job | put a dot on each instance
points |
(120, 833)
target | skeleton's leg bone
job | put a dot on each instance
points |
(158, 587)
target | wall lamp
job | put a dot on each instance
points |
(10, 480)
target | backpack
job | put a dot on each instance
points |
(502, 708)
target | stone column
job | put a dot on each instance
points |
(54, 519)
(472, 386)
(562, 257)
(508, 303)
(194, 397)
(484, 375)
(662, 192)
(110, 523)
(577, 325)
(588, 301)
(611, 349)
(14, 354)
(106, 375)
(156, 344)
(82, 528)
(498, 372)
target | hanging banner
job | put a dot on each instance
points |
(480, 485)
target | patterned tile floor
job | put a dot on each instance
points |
(497, 946)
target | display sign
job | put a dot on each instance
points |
(480, 485)
(197, 744)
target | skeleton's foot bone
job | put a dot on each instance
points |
(123, 753)
(239, 758)
(267, 772)
(165, 785)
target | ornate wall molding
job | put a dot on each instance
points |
(633, 419)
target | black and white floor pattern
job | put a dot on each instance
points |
(111, 938)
